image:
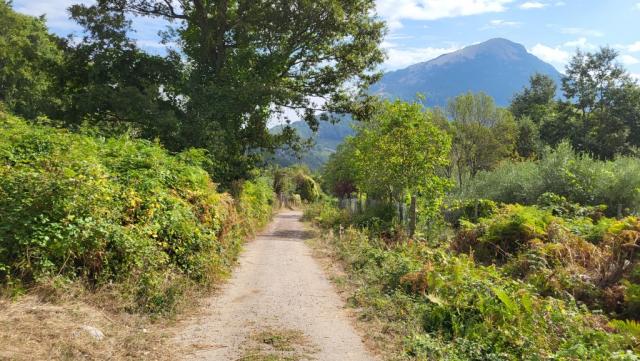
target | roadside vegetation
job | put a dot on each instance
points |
(504, 244)
(129, 181)
(109, 234)
(117, 211)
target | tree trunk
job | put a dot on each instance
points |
(619, 210)
(412, 216)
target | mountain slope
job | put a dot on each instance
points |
(498, 67)
(327, 139)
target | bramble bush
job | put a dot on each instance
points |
(116, 211)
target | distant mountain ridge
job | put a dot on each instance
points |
(498, 67)
(328, 137)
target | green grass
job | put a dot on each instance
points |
(275, 344)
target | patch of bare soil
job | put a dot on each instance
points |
(39, 327)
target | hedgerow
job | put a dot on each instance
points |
(444, 305)
(117, 211)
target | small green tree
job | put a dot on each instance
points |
(339, 174)
(483, 134)
(528, 142)
(601, 113)
(398, 153)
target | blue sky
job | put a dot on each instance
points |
(420, 30)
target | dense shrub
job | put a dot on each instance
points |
(577, 256)
(448, 308)
(325, 214)
(560, 206)
(289, 182)
(579, 178)
(469, 210)
(503, 234)
(118, 211)
(255, 203)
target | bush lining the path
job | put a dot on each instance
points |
(116, 211)
(433, 304)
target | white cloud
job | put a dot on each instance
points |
(637, 7)
(582, 32)
(635, 47)
(581, 43)
(503, 23)
(555, 56)
(399, 57)
(629, 60)
(394, 11)
(636, 76)
(532, 5)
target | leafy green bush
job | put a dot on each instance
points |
(116, 211)
(560, 206)
(307, 188)
(446, 307)
(256, 203)
(469, 210)
(296, 181)
(579, 178)
(325, 214)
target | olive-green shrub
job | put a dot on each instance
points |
(577, 177)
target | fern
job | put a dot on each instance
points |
(506, 299)
(627, 327)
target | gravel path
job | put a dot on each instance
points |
(278, 285)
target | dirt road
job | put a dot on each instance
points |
(279, 305)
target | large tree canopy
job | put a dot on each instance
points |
(107, 79)
(399, 152)
(247, 60)
(600, 112)
(28, 55)
(535, 100)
